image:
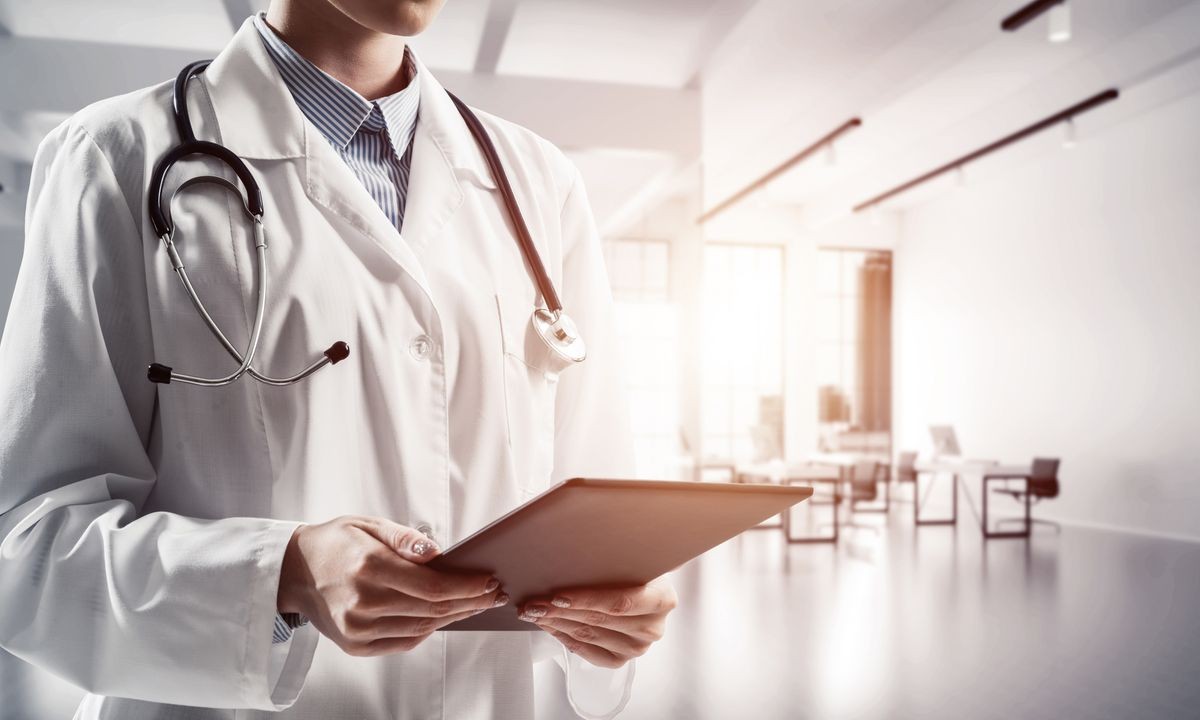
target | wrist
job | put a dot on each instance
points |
(294, 577)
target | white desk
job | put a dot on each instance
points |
(794, 474)
(988, 471)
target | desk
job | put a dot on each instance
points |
(988, 471)
(1006, 472)
(796, 473)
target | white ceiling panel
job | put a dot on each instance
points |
(620, 41)
(177, 24)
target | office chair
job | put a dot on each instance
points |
(906, 472)
(864, 478)
(1042, 485)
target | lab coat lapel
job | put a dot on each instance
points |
(443, 153)
(258, 119)
(330, 183)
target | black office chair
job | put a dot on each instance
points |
(1042, 485)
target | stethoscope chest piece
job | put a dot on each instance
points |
(557, 330)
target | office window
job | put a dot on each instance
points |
(648, 324)
(742, 351)
(853, 351)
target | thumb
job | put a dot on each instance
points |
(408, 543)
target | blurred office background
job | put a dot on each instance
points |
(1039, 299)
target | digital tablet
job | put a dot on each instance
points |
(606, 533)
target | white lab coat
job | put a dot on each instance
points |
(142, 527)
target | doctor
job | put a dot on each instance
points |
(179, 551)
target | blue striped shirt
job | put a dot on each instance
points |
(373, 137)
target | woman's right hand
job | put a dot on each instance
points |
(362, 582)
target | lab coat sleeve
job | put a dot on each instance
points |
(593, 435)
(153, 606)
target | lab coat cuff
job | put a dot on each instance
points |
(273, 680)
(597, 693)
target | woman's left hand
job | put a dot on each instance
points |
(606, 627)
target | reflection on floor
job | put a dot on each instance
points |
(931, 623)
(900, 623)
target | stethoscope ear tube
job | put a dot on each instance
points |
(159, 218)
(183, 118)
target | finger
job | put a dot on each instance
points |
(643, 600)
(397, 603)
(644, 627)
(410, 544)
(594, 654)
(428, 584)
(400, 626)
(617, 643)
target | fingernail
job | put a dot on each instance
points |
(423, 547)
(500, 601)
(535, 611)
(491, 585)
(560, 602)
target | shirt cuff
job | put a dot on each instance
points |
(288, 663)
(285, 623)
(597, 693)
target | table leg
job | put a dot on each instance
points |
(918, 520)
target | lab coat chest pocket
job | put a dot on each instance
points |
(530, 382)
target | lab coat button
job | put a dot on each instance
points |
(421, 347)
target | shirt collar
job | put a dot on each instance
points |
(336, 109)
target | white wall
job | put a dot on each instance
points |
(1055, 310)
(11, 239)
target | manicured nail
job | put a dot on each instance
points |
(423, 547)
(535, 611)
(500, 601)
(491, 585)
(560, 602)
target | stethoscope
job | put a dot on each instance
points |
(551, 323)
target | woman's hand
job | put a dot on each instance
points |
(361, 582)
(607, 628)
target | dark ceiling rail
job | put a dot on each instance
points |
(779, 170)
(1020, 18)
(1058, 117)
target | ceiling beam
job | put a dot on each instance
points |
(571, 113)
(495, 35)
(579, 114)
(721, 21)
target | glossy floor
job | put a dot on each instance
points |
(901, 622)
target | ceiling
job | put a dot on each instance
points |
(930, 79)
(641, 93)
(611, 82)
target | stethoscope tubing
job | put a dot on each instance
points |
(260, 309)
(255, 332)
(160, 218)
(540, 275)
